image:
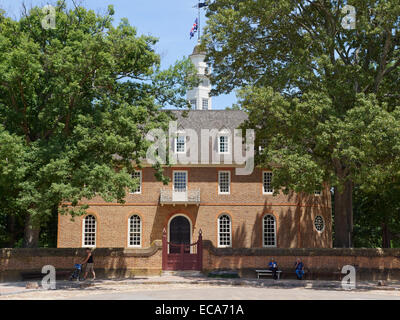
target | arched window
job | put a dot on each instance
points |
(269, 231)
(224, 231)
(89, 231)
(135, 231)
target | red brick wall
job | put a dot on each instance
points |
(246, 206)
(320, 263)
(111, 262)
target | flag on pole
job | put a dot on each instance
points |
(194, 28)
(200, 5)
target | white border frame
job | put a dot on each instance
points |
(83, 231)
(129, 231)
(263, 231)
(191, 228)
(262, 181)
(229, 174)
(230, 230)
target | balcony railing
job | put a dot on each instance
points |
(168, 196)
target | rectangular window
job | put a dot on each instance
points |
(224, 181)
(267, 182)
(180, 144)
(193, 103)
(205, 104)
(180, 181)
(318, 192)
(223, 144)
(137, 175)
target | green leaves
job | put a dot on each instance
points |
(323, 99)
(304, 137)
(76, 103)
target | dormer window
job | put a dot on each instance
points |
(180, 143)
(223, 143)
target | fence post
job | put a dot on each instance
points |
(200, 251)
(164, 250)
(182, 248)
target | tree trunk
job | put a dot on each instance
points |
(344, 216)
(11, 230)
(31, 235)
(385, 236)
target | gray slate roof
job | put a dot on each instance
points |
(210, 119)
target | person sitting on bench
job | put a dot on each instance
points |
(299, 267)
(273, 266)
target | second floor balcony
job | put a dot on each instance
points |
(185, 197)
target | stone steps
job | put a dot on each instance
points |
(182, 273)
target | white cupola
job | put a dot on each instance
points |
(199, 97)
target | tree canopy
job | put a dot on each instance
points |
(76, 102)
(323, 98)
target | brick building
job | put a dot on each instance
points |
(232, 210)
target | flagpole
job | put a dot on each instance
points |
(198, 34)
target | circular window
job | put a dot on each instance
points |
(319, 223)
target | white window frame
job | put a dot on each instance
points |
(180, 134)
(140, 183)
(318, 193)
(219, 182)
(203, 102)
(227, 143)
(219, 231)
(84, 233)
(173, 178)
(130, 231)
(264, 231)
(263, 184)
(193, 103)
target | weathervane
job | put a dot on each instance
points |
(196, 25)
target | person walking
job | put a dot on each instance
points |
(89, 264)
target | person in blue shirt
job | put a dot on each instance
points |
(299, 267)
(273, 266)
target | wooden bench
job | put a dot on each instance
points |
(267, 272)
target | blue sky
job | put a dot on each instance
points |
(168, 20)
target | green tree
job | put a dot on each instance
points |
(323, 98)
(75, 104)
(377, 217)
